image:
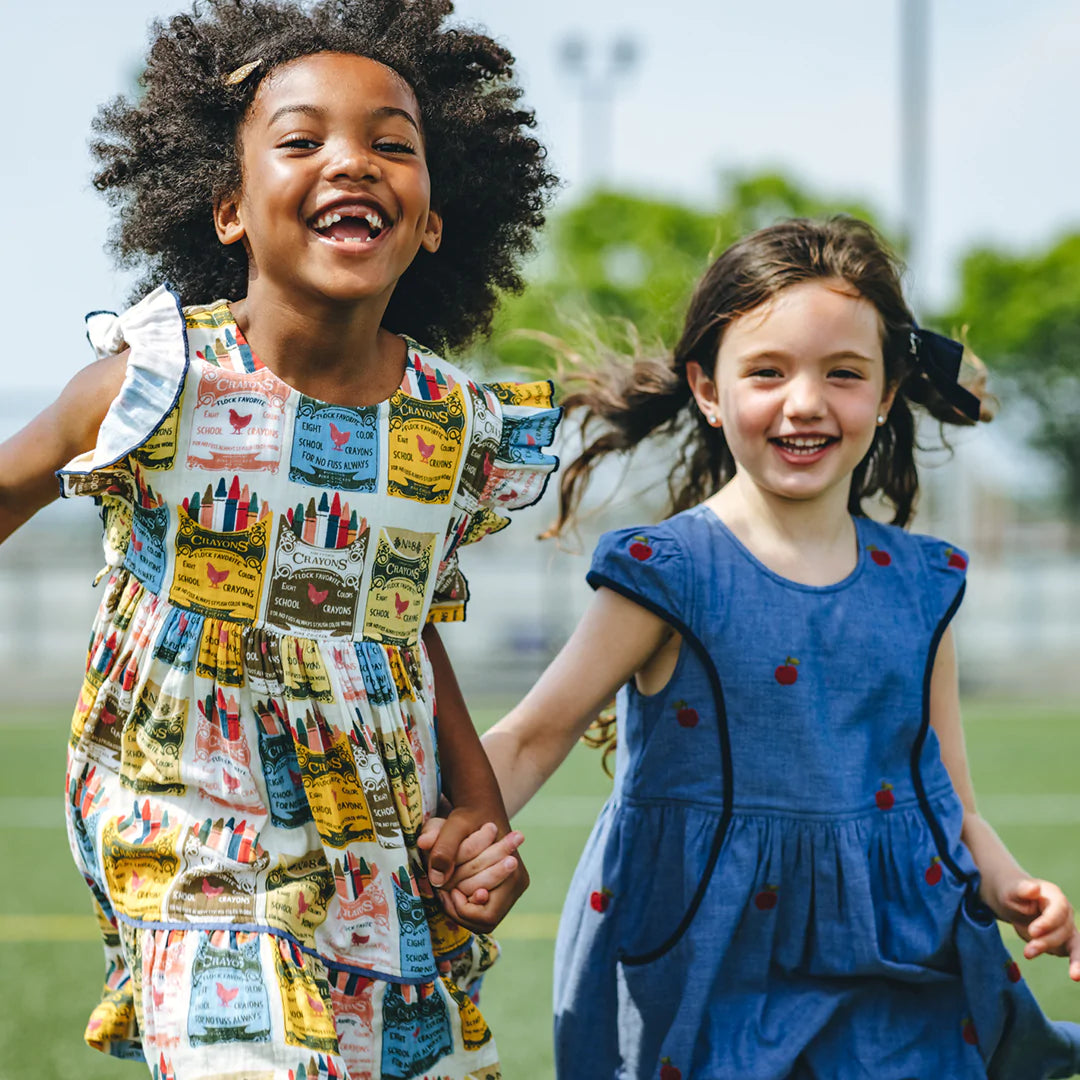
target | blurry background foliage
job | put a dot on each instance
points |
(614, 258)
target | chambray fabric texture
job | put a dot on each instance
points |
(776, 888)
(253, 753)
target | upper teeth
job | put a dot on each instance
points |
(797, 440)
(332, 218)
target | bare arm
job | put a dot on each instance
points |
(67, 428)
(615, 639)
(1037, 909)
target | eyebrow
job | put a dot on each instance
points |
(779, 354)
(318, 112)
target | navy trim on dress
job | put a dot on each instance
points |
(920, 741)
(596, 580)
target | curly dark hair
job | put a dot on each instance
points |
(620, 404)
(166, 158)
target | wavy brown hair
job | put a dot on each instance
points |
(621, 402)
(167, 156)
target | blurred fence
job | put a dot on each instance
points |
(1018, 631)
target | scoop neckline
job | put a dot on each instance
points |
(836, 586)
(241, 338)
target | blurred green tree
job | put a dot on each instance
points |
(1023, 312)
(616, 260)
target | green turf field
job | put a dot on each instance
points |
(1023, 760)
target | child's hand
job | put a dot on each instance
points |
(1042, 915)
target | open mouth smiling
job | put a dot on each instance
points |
(805, 445)
(351, 224)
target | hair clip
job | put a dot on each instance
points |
(940, 357)
(235, 78)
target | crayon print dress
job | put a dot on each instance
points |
(253, 750)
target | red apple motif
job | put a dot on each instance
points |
(884, 797)
(933, 871)
(1012, 971)
(787, 672)
(639, 548)
(668, 1071)
(956, 560)
(766, 899)
(881, 558)
(686, 716)
(600, 900)
(970, 1035)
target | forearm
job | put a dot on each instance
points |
(998, 868)
(467, 776)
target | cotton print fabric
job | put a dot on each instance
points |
(253, 752)
(776, 889)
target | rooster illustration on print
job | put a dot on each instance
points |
(314, 587)
(138, 854)
(425, 446)
(416, 1029)
(220, 573)
(298, 895)
(229, 1002)
(152, 742)
(238, 421)
(306, 1006)
(399, 578)
(221, 859)
(335, 447)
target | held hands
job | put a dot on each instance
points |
(1042, 915)
(478, 876)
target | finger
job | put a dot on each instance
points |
(443, 854)
(1074, 957)
(489, 878)
(477, 842)
(429, 833)
(1056, 940)
(1057, 912)
(489, 856)
(476, 916)
(1028, 889)
(481, 896)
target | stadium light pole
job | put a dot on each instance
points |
(914, 98)
(597, 87)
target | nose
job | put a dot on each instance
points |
(805, 398)
(353, 161)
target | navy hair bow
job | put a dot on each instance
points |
(940, 358)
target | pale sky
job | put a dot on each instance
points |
(811, 88)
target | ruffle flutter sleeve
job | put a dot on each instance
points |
(140, 427)
(945, 567)
(647, 565)
(507, 467)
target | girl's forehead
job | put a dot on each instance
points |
(333, 79)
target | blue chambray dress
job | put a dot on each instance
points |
(776, 889)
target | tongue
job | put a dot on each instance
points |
(349, 229)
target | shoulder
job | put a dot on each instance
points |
(929, 553)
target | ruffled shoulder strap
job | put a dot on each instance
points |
(153, 331)
(945, 567)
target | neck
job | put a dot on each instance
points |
(331, 351)
(807, 540)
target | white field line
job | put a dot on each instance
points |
(579, 811)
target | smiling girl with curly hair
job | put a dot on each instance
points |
(286, 477)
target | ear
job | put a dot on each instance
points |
(704, 390)
(227, 224)
(887, 399)
(433, 232)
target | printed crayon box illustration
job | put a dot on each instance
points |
(285, 793)
(474, 1029)
(416, 1030)
(222, 859)
(219, 574)
(238, 422)
(335, 447)
(298, 893)
(354, 1010)
(399, 577)
(483, 446)
(230, 1001)
(360, 934)
(334, 789)
(147, 552)
(425, 446)
(159, 451)
(221, 742)
(303, 671)
(305, 1000)
(314, 588)
(140, 860)
(152, 742)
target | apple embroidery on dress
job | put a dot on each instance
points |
(787, 672)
